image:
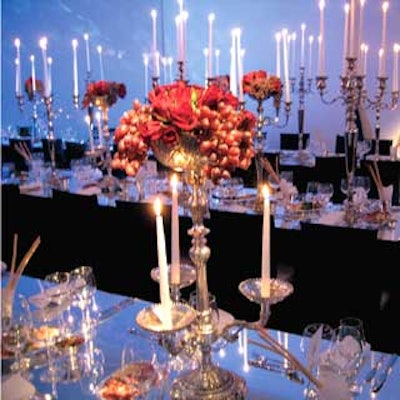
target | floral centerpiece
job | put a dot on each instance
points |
(28, 85)
(261, 86)
(109, 89)
(210, 116)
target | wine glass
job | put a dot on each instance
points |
(144, 366)
(363, 148)
(312, 192)
(325, 192)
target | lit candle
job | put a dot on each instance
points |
(33, 73)
(185, 17)
(364, 52)
(18, 85)
(153, 14)
(87, 50)
(146, 74)
(266, 254)
(164, 65)
(233, 71)
(239, 64)
(278, 37)
(381, 68)
(178, 21)
(50, 82)
(302, 44)
(91, 140)
(321, 58)
(395, 81)
(75, 66)
(245, 351)
(346, 38)
(286, 65)
(165, 298)
(361, 31)
(175, 252)
(385, 7)
(157, 65)
(211, 18)
(310, 54)
(43, 46)
(352, 33)
(293, 54)
(100, 52)
(217, 54)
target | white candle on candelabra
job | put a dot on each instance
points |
(175, 251)
(91, 140)
(278, 37)
(178, 22)
(211, 18)
(395, 80)
(146, 74)
(385, 7)
(164, 64)
(18, 85)
(233, 70)
(352, 29)
(293, 54)
(240, 63)
(75, 66)
(33, 73)
(364, 52)
(310, 55)
(153, 14)
(302, 44)
(217, 54)
(321, 58)
(346, 38)
(50, 82)
(286, 65)
(165, 299)
(266, 254)
(100, 52)
(381, 68)
(185, 17)
(87, 51)
(245, 350)
(360, 32)
(157, 65)
(43, 46)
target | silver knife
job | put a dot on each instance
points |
(381, 378)
(372, 372)
(109, 312)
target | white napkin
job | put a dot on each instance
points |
(287, 189)
(15, 387)
(386, 193)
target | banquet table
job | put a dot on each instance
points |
(113, 333)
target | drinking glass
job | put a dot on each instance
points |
(144, 366)
(312, 192)
(324, 192)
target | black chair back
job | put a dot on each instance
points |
(74, 151)
(59, 152)
(19, 161)
(290, 141)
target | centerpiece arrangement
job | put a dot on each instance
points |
(260, 86)
(104, 94)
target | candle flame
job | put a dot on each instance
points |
(86, 36)
(16, 61)
(265, 192)
(396, 47)
(170, 60)
(347, 8)
(43, 43)
(17, 42)
(87, 119)
(32, 58)
(217, 52)
(381, 52)
(205, 51)
(385, 6)
(49, 60)
(74, 43)
(153, 13)
(174, 182)
(99, 49)
(211, 18)
(362, 2)
(185, 15)
(303, 27)
(322, 4)
(278, 36)
(157, 206)
(311, 39)
(294, 36)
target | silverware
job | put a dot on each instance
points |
(372, 372)
(382, 376)
(277, 366)
(114, 309)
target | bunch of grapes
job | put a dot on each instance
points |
(228, 146)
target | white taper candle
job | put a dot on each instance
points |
(175, 251)
(211, 18)
(75, 67)
(33, 73)
(266, 254)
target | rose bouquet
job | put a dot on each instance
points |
(261, 86)
(39, 88)
(211, 116)
(111, 90)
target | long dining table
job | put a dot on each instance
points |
(336, 271)
(113, 333)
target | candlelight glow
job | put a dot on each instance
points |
(157, 206)
(396, 47)
(74, 43)
(211, 17)
(146, 59)
(321, 4)
(153, 13)
(43, 43)
(174, 182)
(99, 49)
(265, 192)
(311, 39)
(32, 58)
(385, 6)
(86, 36)
(17, 43)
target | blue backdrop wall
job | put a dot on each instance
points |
(124, 30)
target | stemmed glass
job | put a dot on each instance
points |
(325, 192)
(363, 148)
